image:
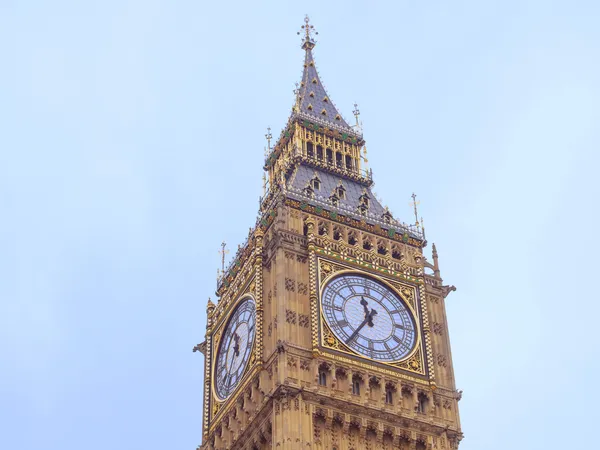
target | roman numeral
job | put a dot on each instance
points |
(342, 323)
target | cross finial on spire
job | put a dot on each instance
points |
(308, 41)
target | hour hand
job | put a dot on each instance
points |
(370, 317)
(236, 346)
(364, 303)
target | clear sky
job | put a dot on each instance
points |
(131, 145)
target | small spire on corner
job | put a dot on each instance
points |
(356, 113)
(268, 137)
(297, 97)
(414, 204)
(436, 266)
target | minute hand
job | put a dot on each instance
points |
(368, 319)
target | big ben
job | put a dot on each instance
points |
(330, 328)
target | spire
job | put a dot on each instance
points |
(312, 99)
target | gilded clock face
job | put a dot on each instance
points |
(235, 348)
(368, 317)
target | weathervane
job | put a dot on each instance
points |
(308, 32)
(414, 204)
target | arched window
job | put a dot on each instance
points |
(337, 233)
(389, 395)
(422, 403)
(352, 239)
(323, 371)
(349, 162)
(355, 385)
(322, 377)
(338, 159)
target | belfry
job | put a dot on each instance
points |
(330, 328)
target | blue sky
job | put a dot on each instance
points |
(131, 145)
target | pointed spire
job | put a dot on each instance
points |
(436, 267)
(312, 98)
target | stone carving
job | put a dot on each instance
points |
(441, 360)
(290, 316)
(290, 285)
(304, 364)
(303, 320)
(302, 288)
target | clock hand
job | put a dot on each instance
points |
(364, 303)
(236, 347)
(368, 320)
(353, 335)
(370, 317)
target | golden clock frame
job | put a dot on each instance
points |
(216, 403)
(251, 282)
(217, 344)
(415, 361)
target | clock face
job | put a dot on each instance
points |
(369, 318)
(235, 347)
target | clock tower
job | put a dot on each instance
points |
(330, 327)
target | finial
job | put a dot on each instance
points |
(364, 158)
(414, 204)
(423, 227)
(223, 252)
(307, 41)
(269, 136)
(356, 113)
(436, 266)
(297, 96)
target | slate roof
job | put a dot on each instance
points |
(304, 174)
(313, 94)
